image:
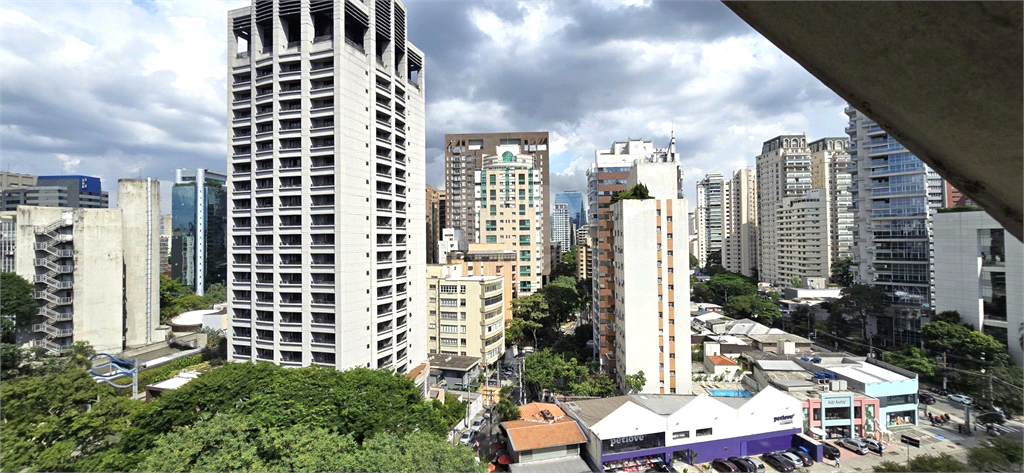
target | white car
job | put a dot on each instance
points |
(477, 424)
(962, 399)
(465, 437)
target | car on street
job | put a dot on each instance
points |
(829, 451)
(926, 398)
(804, 457)
(962, 399)
(477, 424)
(874, 445)
(724, 466)
(778, 462)
(466, 436)
(757, 463)
(744, 465)
(853, 445)
(793, 458)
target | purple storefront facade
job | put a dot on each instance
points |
(703, 452)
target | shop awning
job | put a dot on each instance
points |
(819, 432)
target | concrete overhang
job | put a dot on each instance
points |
(944, 79)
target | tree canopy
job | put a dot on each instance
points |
(841, 273)
(637, 192)
(547, 370)
(979, 349)
(17, 307)
(913, 359)
(858, 301)
(755, 307)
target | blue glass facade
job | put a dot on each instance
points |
(198, 233)
(577, 213)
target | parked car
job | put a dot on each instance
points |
(829, 451)
(757, 463)
(874, 445)
(466, 436)
(724, 466)
(804, 457)
(744, 465)
(853, 445)
(793, 458)
(962, 399)
(926, 398)
(477, 424)
(778, 462)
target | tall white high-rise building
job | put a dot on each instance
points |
(561, 227)
(709, 218)
(326, 246)
(652, 334)
(739, 226)
(801, 231)
(829, 163)
(783, 170)
(893, 194)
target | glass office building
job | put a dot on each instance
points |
(198, 225)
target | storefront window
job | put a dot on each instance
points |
(837, 431)
(704, 432)
(833, 413)
(681, 435)
(856, 412)
(904, 399)
(634, 464)
(817, 414)
(901, 418)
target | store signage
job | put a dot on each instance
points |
(786, 419)
(625, 440)
(837, 402)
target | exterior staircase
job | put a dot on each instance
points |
(51, 262)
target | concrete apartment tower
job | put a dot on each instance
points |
(561, 227)
(647, 234)
(607, 175)
(979, 272)
(739, 226)
(894, 194)
(511, 210)
(199, 217)
(326, 249)
(709, 216)
(802, 235)
(77, 258)
(434, 223)
(783, 170)
(463, 157)
(829, 163)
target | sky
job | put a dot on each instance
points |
(123, 89)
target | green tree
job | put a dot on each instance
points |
(576, 345)
(726, 285)
(948, 316)
(841, 273)
(176, 298)
(858, 302)
(754, 307)
(215, 294)
(547, 370)
(714, 259)
(913, 359)
(802, 321)
(596, 386)
(563, 300)
(636, 382)
(925, 462)
(532, 312)
(637, 192)
(694, 262)
(16, 304)
(452, 410)
(979, 349)
(996, 454)
(701, 292)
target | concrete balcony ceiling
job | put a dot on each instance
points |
(942, 78)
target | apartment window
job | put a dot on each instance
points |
(449, 329)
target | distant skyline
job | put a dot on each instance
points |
(129, 89)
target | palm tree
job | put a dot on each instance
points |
(78, 354)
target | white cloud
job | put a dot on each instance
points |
(69, 163)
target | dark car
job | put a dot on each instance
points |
(744, 465)
(804, 457)
(829, 451)
(778, 462)
(926, 398)
(723, 465)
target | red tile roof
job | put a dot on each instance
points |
(721, 360)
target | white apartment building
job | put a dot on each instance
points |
(327, 186)
(979, 272)
(561, 227)
(466, 314)
(802, 231)
(739, 226)
(893, 194)
(651, 283)
(510, 211)
(77, 258)
(829, 162)
(783, 170)
(709, 218)
(453, 240)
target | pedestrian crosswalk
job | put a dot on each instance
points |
(1009, 429)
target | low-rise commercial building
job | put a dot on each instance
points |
(643, 430)
(543, 433)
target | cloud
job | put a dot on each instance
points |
(69, 162)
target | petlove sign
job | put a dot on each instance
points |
(783, 420)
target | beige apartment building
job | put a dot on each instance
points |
(802, 233)
(465, 314)
(491, 260)
(509, 211)
(829, 162)
(783, 170)
(739, 223)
